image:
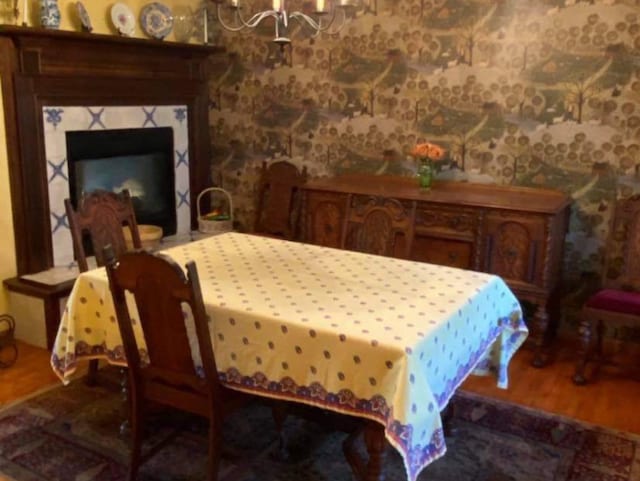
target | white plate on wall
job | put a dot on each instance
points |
(123, 19)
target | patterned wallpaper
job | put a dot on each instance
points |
(542, 93)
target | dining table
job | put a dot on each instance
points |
(383, 339)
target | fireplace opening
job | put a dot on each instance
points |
(140, 160)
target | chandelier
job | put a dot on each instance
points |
(321, 16)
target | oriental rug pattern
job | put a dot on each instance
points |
(71, 433)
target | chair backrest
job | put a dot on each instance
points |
(622, 255)
(278, 206)
(378, 226)
(161, 292)
(101, 215)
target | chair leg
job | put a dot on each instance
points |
(585, 333)
(137, 431)
(215, 437)
(599, 340)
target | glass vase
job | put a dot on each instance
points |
(425, 174)
(183, 23)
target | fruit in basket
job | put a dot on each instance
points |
(216, 214)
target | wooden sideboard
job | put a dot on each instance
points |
(514, 232)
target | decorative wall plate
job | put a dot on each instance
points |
(123, 19)
(156, 20)
(85, 20)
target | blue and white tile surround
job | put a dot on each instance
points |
(58, 120)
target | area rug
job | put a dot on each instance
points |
(72, 434)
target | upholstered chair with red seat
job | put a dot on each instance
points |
(617, 303)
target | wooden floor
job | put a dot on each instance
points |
(610, 401)
(31, 373)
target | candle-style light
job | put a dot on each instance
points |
(329, 16)
(205, 25)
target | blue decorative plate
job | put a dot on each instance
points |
(156, 20)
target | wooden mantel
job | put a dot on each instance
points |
(41, 67)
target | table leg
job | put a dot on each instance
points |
(279, 412)
(92, 373)
(447, 420)
(541, 321)
(375, 442)
(51, 319)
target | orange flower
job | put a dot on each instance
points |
(428, 150)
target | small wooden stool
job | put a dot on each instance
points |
(7, 341)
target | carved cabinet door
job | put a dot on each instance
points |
(514, 246)
(325, 218)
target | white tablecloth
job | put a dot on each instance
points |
(377, 337)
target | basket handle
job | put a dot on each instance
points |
(8, 320)
(215, 189)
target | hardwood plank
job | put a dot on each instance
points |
(30, 373)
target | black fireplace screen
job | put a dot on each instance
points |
(140, 160)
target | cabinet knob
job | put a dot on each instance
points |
(453, 256)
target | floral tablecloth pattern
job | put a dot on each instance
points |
(381, 338)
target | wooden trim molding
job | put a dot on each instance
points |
(42, 67)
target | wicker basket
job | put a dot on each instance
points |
(219, 223)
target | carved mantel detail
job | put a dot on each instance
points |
(43, 68)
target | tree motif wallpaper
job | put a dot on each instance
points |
(541, 93)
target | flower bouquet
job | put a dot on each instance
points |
(426, 153)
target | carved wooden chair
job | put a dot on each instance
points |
(379, 226)
(617, 303)
(278, 203)
(101, 215)
(169, 377)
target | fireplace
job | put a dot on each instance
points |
(58, 82)
(142, 148)
(139, 160)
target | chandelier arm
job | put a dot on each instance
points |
(258, 17)
(332, 21)
(229, 27)
(300, 17)
(317, 25)
(251, 23)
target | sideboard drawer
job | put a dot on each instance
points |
(445, 252)
(446, 221)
